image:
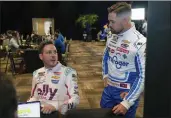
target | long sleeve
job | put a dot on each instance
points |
(138, 85)
(14, 43)
(34, 95)
(72, 86)
(60, 44)
(61, 38)
(104, 63)
(62, 47)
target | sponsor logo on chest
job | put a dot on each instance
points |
(43, 93)
(124, 45)
(122, 50)
(126, 41)
(57, 73)
(112, 45)
(54, 81)
(55, 77)
(118, 63)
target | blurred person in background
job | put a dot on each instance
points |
(59, 35)
(8, 99)
(144, 28)
(60, 46)
(13, 43)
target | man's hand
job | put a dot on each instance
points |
(119, 109)
(123, 94)
(105, 82)
(63, 108)
(47, 109)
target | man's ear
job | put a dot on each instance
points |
(126, 20)
(41, 56)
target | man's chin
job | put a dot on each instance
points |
(54, 64)
(113, 32)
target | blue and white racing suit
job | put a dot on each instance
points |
(124, 66)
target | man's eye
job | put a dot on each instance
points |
(55, 52)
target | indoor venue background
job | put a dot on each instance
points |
(18, 15)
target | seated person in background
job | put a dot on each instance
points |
(8, 99)
(18, 37)
(54, 85)
(9, 33)
(59, 35)
(50, 38)
(21, 38)
(13, 43)
(32, 34)
(28, 40)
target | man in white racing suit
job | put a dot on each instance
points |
(54, 85)
(123, 63)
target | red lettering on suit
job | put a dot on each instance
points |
(122, 50)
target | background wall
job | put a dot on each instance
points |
(158, 64)
(18, 15)
(38, 25)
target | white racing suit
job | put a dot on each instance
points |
(124, 65)
(55, 86)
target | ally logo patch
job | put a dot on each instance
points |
(55, 81)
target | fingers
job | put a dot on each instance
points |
(114, 108)
(105, 81)
(123, 94)
(119, 110)
(46, 110)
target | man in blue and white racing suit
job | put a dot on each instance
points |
(123, 63)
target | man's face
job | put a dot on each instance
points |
(115, 23)
(49, 56)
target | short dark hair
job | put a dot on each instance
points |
(43, 44)
(9, 32)
(14, 34)
(120, 8)
(57, 30)
(8, 99)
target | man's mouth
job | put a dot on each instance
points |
(53, 60)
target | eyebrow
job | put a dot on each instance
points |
(111, 20)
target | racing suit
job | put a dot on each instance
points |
(124, 66)
(55, 86)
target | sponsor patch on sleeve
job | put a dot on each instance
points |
(74, 75)
(41, 73)
(140, 43)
